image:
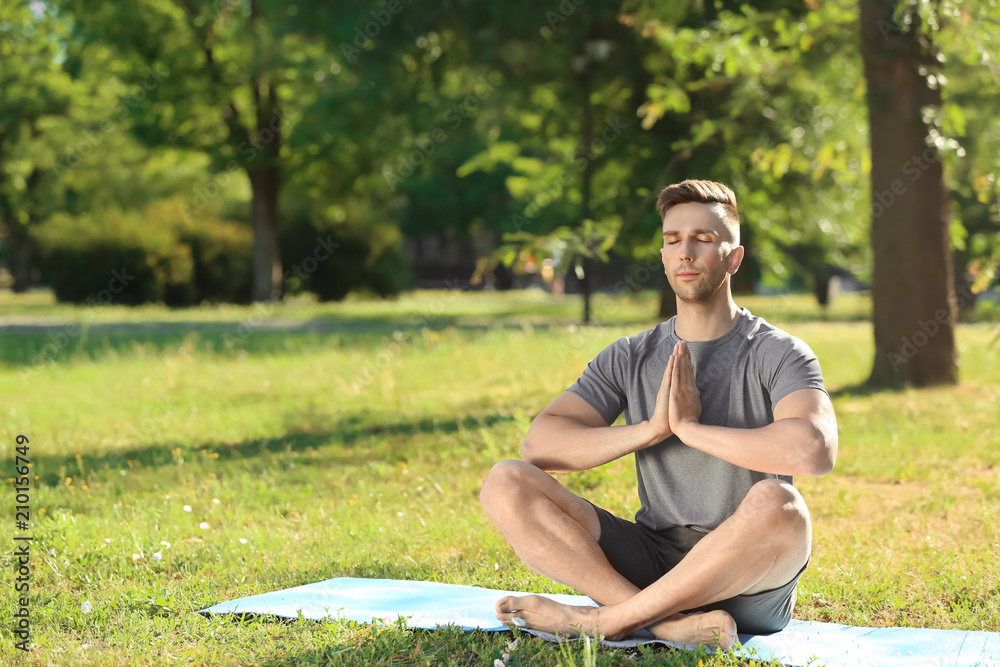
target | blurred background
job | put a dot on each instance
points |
(191, 153)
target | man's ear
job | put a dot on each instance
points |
(735, 259)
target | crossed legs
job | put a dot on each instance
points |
(762, 546)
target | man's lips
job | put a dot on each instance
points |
(687, 274)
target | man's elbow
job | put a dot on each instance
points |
(823, 456)
(543, 459)
(529, 453)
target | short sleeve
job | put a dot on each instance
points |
(788, 364)
(602, 384)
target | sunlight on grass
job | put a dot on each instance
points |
(171, 472)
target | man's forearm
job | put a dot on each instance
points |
(562, 444)
(785, 447)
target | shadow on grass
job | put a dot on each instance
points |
(31, 346)
(857, 390)
(345, 432)
(865, 389)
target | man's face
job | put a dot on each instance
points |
(697, 256)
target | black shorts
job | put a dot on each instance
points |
(643, 555)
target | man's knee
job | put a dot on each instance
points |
(506, 478)
(778, 503)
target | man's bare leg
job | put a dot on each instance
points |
(761, 547)
(555, 533)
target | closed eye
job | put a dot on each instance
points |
(703, 239)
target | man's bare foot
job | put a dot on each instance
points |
(711, 628)
(541, 613)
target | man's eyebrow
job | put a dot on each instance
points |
(673, 232)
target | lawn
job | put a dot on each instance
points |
(185, 457)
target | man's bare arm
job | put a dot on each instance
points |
(570, 435)
(801, 441)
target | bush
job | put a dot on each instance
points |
(223, 259)
(369, 260)
(148, 255)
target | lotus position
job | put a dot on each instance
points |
(722, 409)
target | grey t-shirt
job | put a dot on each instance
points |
(741, 376)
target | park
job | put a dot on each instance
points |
(281, 283)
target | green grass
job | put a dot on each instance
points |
(352, 439)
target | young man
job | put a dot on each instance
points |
(722, 409)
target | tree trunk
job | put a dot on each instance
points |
(913, 302)
(668, 301)
(18, 236)
(587, 129)
(267, 280)
(22, 252)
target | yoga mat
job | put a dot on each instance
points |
(427, 605)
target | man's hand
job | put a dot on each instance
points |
(660, 421)
(685, 399)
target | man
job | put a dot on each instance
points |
(722, 409)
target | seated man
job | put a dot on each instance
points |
(722, 409)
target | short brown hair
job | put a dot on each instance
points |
(703, 192)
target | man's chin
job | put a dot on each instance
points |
(695, 297)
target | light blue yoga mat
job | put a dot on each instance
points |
(425, 604)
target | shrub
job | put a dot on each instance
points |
(147, 255)
(368, 260)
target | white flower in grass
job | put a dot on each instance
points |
(216, 501)
(512, 645)
(136, 556)
(86, 607)
(108, 540)
(52, 552)
(157, 555)
(203, 525)
(243, 540)
(499, 663)
(165, 544)
(187, 508)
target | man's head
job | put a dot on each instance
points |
(701, 239)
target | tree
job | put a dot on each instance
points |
(913, 300)
(771, 92)
(225, 81)
(34, 91)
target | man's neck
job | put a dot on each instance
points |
(701, 322)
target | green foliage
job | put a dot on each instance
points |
(568, 247)
(469, 120)
(365, 258)
(148, 255)
(221, 253)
